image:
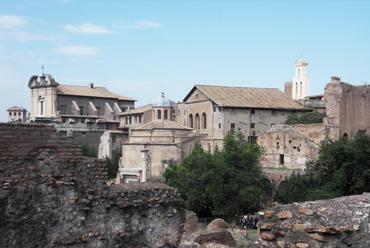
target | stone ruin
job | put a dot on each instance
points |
(339, 222)
(52, 196)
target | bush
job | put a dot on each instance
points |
(343, 168)
(89, 151)
(226, 183)
(305, 118)
(113, 165)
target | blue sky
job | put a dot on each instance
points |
(136, 48)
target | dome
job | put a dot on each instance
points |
(163, 102)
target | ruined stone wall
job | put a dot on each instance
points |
(347, 109)
(315, 132)
(50, 196)
(338, 222)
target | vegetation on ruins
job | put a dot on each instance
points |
(89, 151)
(343, 168)
(113, 164)
(305, 118)
(226, 183)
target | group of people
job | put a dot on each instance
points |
(249, 221)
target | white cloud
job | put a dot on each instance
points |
(78, 50)
(139, 25)
(11, 22)
(87, 28)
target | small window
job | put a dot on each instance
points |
(277, 145)
(253, 125)
(19, 113)
(139, 118)
(81, 110)
(10, 113)
(98, 110)
(165, 114)
(219, 109)
(114, 139)
(83, 133)
(232, 125)
(214, 109)
(253, 111)
(219, 125)
(272, 124)
(159, 114)
(281, 159)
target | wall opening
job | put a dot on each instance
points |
(281, 159)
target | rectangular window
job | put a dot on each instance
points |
(219, 109)
(19, 113)
(219, 125)
(232, 125)
(114, 139)
(10, 113)
(253, 125)
(272, 124)
(81, 110)
(253, 111)
(214, 109)
(139, 118)
(281, 159)
(41, 108)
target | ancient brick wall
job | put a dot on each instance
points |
(338, 222)
(51, 196)
(315, 132)
(347, 109)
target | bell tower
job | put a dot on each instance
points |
(300, 83)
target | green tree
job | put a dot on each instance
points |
(305, 118)
(343, 168)
(225, 183)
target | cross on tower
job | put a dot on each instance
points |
(42, 69)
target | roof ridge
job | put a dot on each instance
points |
(229, 86)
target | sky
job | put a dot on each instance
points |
(138, 48)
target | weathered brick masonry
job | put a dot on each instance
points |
(51, 196)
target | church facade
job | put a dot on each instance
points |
(54, 102)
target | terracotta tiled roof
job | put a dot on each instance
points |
(102, 92)
(162, 124)
(245, 97)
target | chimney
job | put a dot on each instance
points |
(91, 85)
(335, 79)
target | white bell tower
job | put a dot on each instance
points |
(300, 81)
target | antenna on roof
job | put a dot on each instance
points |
(42, 69)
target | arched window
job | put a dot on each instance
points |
(165, 114)
(345, 135)
(191, 123)
(159, 114)
(300, 90)
(204, 121)
(197, 121)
